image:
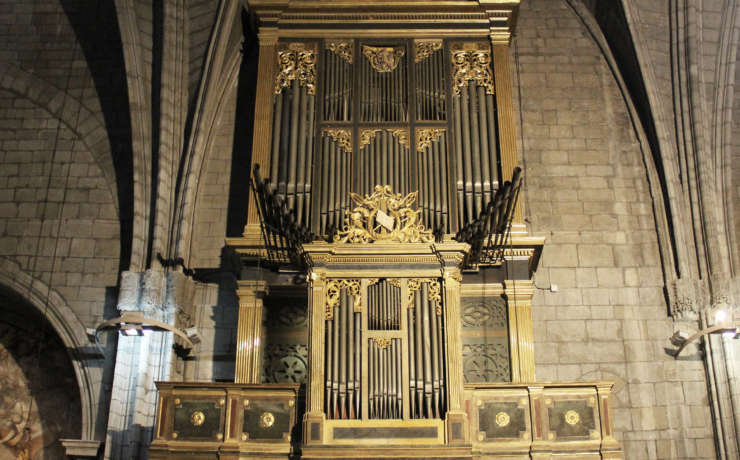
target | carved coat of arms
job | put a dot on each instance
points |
(383, 216)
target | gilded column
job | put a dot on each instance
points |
(457, 419)
(610, 448)
(249, 331)
(262, 120)
(521, 335)
(506, 124)
(313, 420)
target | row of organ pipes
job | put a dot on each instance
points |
(384, 160)
(388, 158)
(343, 360)
(386, 361)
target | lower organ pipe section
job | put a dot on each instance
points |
(385, 390)
(343, 361)
(431, 165)
(426, 352)
(384, 306)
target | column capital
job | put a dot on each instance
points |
(519, 289)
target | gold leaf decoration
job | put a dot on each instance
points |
(343, 49)
(296, 62)
(333, 290)
(425, 48)
(425, 137)
(414, 284)
(471, 62)
(343, 137)
(383, 59)
(402, 135)
(367, 136)
(361, 225)
(381, 342)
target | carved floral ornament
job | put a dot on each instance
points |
(471, 61)
(425, 48)
(383, 216)
(434, 292)
(383, 59)
(425, 137)
(342, 137)
(333, 290)
(342, 48)
(367, 136)
(297, 61)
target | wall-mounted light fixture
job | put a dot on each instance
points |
(721, 322)
(133, 323)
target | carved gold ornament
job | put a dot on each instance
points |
(471, 62)
(343, 138)
(383, 216)
(425, 48)
(402, 135)
(572, 417)
(343, 49)
(334, 288)
(197, 418)
(297, 62)
(502, 419)
(383, 59)
(425, 137)
(382, 343)
(367, 136)
(414, 284)
(267, 419)
(394, 282)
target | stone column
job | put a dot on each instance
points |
(521, 336)
(249, 332)
(143, 359)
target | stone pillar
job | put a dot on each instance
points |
(521, 335)
(249, 331)
(142, 359)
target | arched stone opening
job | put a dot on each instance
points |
(39, 397)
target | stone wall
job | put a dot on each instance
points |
(57, 215)
(586, 190)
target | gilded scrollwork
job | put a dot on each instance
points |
(425, 137)
(383, 59)
(402, 135)
(342, 48)
(471, 62)
(414, 284)
(425, 48)
(368, 221)
(297, 61)
(381, 342)
(334, 288)
(367, 136)
(343, 138)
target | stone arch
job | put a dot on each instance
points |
(52, 306)
(87, 125)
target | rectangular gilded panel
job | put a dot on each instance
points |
(198, 420)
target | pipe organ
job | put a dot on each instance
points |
(416, 114)
(397, 316)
